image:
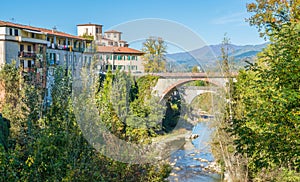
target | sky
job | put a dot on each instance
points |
(204, 19)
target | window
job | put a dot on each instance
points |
(21, 47)
(29, 48)
(25, 64)
(115, 35)
(97, 30)
(30, 64)
(70, 59)
(85, 60)
(32, 35)
(10, 31)
(87, 31)
(16, 32)
(41, 49)
(52, 60)
(22, 63)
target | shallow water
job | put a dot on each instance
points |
(191, 161)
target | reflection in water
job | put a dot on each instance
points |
(191, 162)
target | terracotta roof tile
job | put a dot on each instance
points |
(44, 30)
(111, 49)
(106, 39)
(112, 31)
(89, 24)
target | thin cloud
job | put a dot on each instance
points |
(230, 19)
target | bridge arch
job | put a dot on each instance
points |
(179, 83)
(206, 92)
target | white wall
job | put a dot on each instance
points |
(2, 52)
(81, 30)
(2, 30)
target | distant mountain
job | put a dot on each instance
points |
(210, 54)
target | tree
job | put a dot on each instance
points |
(14, 108)
(154, 57)
(51, 147)
(266, 96)
(270, 15)
(233, 163)
(195, 69)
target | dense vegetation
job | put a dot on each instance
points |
(49, 145)
(258, 135)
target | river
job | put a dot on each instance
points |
(191, 163)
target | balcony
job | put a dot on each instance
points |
(64, 47)
(89, 50)
(32, 40)
(23, 54)
(78, 49)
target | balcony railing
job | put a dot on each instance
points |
(90, 50)
(24, 54)
(64, 47)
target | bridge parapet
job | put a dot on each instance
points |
(169, 81)
(177, 75)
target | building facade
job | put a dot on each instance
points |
(27, 46)
(119, 58)
(110, 50)
(38, 51)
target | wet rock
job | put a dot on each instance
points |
(177, 168)
(201, 160)
(192, 154)
(173, 174)
(193, 136)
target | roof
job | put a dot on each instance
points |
(112, 31)
(104, 38)
(89, 24)
(42, 30)
(124, 50)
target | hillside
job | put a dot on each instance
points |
(208, 55)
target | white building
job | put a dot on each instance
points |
(121, 58)
(38, 51)
(27, 46)
(94, 32)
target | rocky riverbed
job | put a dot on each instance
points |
(194, 161)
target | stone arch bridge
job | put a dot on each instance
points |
(189, 93)
(167, 82)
